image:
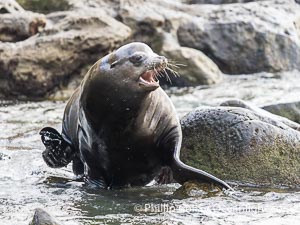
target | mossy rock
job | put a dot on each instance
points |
(195, 189)
(239, 144)
(44, 6)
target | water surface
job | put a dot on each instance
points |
(27, 183)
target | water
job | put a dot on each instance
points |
(27, 183)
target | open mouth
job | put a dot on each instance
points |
(149, 79)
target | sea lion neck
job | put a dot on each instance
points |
(105, 104)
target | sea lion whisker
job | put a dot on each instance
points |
(165, 74)
(161, 74)
(175, 64)
(168, 78)
(175, 73)
(178, 64)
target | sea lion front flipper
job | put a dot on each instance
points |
(95, 183)
(58, 152)
(165, 176)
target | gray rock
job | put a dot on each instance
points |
(194, 68)
(246, 38)
(146, 22)
(229, 35)
(71, 40)
(41, 217)
(289, 110)
(265, 114)
(239, 144)
(16, 24)
(157, 27)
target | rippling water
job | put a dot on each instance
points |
(27, 183)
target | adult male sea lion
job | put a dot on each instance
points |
(119, 127)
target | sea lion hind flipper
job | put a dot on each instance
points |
(95, 183)
(183, 173)
(58, 152)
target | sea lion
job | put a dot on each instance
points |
(119, 127)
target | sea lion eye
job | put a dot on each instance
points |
(136, 59)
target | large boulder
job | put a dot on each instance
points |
(240, 144)
(246, 38)
(71, 40)
(191, 65)
(17, 24)
(229, 35)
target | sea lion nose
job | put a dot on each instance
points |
(163, 61)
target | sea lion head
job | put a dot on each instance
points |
(135, 66)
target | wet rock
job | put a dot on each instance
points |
(239, 144)
(275, 119)
(289, 110)
(145, 22)
(45, 6)
(195, 189)
(194, 68)
(17, 24)
(41, 217)
(246, 38)
(158, 28)
(73, 39)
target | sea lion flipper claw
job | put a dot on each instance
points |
(58, 152)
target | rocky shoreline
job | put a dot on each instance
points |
(41, 54)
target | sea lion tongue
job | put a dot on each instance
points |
(148, 76)
(148, 80)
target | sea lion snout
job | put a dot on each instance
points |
(155, 68)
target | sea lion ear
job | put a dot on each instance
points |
(112, 60)
(112, 65)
